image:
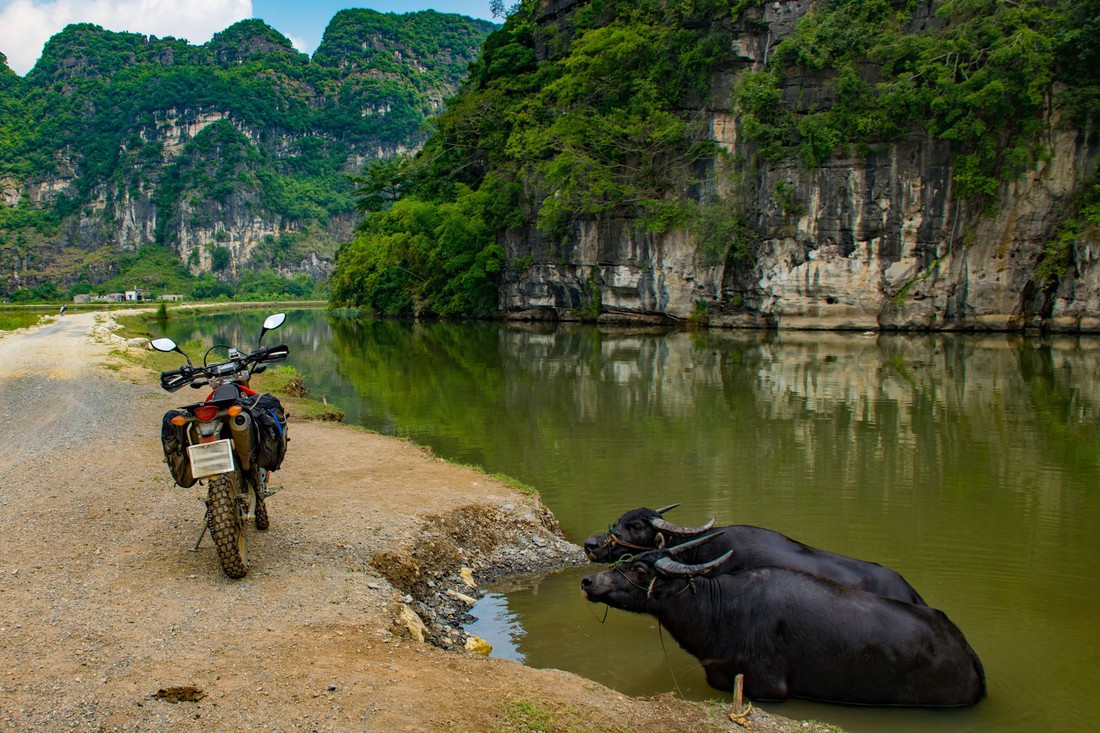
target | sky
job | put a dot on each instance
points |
(26, 25)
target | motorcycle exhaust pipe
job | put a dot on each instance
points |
(240, 426)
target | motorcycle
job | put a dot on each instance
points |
(232, 439)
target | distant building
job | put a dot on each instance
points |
(135, 296)
(169, 296)
(84, 298)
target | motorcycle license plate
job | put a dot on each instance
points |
(209, 459)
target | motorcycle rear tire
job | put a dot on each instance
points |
(262, 520)
(226, 527)
(257, 484)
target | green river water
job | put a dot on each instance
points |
(969, 463)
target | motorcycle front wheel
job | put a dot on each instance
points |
(226, 527)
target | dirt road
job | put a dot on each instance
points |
(103, 604)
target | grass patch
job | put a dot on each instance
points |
(524, 715)
(286, 383)
(143, 366)
(115, 366)
(283, 380)
(11, 320)
(514, 483)
(134, 326)
(510, 481)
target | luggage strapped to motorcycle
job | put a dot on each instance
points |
(174, 440)
(271, 434)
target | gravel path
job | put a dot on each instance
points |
(36, 416)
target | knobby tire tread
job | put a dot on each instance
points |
(262, 520)
(226, 527)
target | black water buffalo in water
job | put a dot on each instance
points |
(644, 529)
(792, 634)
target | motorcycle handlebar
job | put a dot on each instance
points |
(173, 380)
(270, 353)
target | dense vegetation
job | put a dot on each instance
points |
(90, 116)
(980, 76)
(604, 116)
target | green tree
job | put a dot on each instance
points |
(206, 287)
(380, 185)
(219, 258)
(423, 258)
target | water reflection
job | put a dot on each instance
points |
(499, 625)
(968, 463)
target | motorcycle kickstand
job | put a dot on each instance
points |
(205, 524)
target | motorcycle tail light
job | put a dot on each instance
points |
(179, 421)
(206, 413)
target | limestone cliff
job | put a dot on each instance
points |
(868, 241)
(234, 155)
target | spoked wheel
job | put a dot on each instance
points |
(226, 527)
(259, 488)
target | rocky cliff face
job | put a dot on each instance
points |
(122, 218)
(876, 241)
(236, 155)
(881, 242)
(237, 220)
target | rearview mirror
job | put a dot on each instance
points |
(271, 323)
(163, 344)
(274, 321)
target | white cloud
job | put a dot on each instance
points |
(26, 25)
(299, 44)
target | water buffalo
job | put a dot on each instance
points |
(644, 529)
(792, 634)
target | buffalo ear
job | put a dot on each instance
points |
(659, 540)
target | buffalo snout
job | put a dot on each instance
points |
(592, 585)
(595, 548)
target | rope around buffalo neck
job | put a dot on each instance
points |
(613, 541)
(668, 662)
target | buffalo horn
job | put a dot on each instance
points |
(677, 549)
(668, 566)
(661, 524)
(664, 509)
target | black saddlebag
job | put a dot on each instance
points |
(174, 440)
(271, 438)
